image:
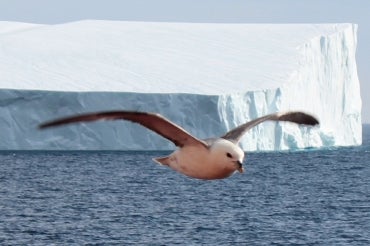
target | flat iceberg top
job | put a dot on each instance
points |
(147, 57)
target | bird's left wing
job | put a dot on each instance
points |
(296, 117)
(152, 121)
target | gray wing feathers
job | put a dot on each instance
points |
(154, 122)
(296, 117)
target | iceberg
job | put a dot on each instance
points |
(208, 78)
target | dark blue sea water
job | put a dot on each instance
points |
(315, 197)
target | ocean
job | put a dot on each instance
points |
(308, 197)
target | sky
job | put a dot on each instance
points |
(210, 11)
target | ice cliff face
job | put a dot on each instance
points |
(324, 82)
(208, 78)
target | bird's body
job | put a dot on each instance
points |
(205, 163)
(214, 158)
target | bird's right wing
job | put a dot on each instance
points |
(296, 117)
(154, 122)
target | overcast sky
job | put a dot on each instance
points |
(239, 11)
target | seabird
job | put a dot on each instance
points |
(213, 158)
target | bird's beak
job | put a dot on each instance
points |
(240, 166)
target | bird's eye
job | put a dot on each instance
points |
(229, 155)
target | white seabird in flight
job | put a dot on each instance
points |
(213, 158)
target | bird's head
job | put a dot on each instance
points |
(228, 154)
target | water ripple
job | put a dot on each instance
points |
(74, 198)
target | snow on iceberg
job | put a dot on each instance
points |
(208, 78)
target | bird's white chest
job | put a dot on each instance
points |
(198, 163)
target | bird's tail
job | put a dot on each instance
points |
(162, 160)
